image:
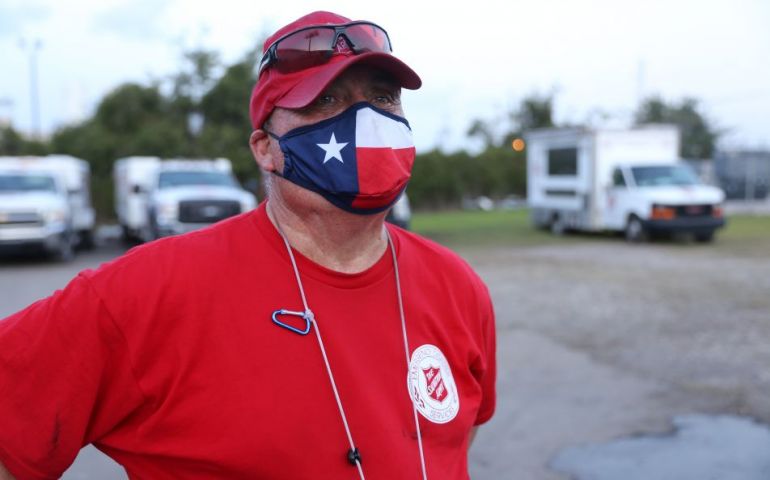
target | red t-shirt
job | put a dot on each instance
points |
(167, 360)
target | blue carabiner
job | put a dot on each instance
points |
(307, 316)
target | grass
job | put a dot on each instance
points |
(468, 229)
(482, 229)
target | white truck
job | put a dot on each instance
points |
(156, 198)
(628, 180)
(46, 202)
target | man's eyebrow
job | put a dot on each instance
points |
(385, 83)
(384, 79)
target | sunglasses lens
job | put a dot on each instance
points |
(314, 46)
(367, 38)
(304, 49)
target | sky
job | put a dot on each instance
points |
(477, 59)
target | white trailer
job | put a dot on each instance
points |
(134, 178)
(46, 201)
(156, 198)
(628, 180)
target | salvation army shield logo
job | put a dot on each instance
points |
(435, 382)
(431, 385)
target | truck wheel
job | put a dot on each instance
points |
(86, 240)
(635, 232)
(65, 250)
(557, 225)
(704, 237)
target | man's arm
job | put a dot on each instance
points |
(5, 474)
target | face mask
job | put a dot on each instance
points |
(359, 160)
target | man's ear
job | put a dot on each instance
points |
(259, 142)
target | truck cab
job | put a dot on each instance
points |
(663, 198)
(45, 204)
(156, 198)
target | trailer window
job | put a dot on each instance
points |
(27, 183)
(562, 161)
(617, 178)
(178, 178)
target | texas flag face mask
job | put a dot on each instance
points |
(359, 160)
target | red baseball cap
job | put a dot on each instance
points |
(298, 89)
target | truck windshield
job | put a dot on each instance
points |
(664, 175)
(26, 183)
(181, 178)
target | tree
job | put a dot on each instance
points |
(14, 143)
(535, 111)
(699, 136)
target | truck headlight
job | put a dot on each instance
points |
(167, 212)
(54, 215)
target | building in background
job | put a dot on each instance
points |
(744, 174)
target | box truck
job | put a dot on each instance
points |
(626, 180)
(156, 198)
(46, 202)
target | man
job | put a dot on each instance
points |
(302, 340)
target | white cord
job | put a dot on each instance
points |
(309, 316)
(406, 351)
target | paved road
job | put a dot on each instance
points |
(597, 340)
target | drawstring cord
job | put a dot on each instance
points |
(309, 317)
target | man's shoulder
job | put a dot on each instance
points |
(433, 256)
(180, 254)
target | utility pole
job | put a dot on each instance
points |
(33, 47)
(640, 78)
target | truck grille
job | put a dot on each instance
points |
(693, 210)
(207, 211)
(20, 218)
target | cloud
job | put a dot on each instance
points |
(137, 20)
(15, 16)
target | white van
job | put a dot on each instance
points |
(156, 198)
(619, 180)
(46, 202)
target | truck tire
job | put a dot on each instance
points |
(65, 249)
(558, 227)
(86, 240)
(635, 232)
(705, 237)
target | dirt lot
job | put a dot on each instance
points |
(597, 340)
(602, 339)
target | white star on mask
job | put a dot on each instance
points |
(332, 149)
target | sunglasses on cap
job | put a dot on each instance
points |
(315, 45)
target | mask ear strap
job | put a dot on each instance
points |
(274, 172)
(271, 134)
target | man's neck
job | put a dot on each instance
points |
(333, 238)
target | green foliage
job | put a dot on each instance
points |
(699, 136)
(441, 180)
(141, 120)
(535, 111)
(14, 143)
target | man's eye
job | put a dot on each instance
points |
(325, 100)
(386, 99)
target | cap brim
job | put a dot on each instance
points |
(307, 89)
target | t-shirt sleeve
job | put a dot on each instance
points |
(488, 369)
(65, 380)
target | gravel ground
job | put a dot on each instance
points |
(597, 340)
(602, 339)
